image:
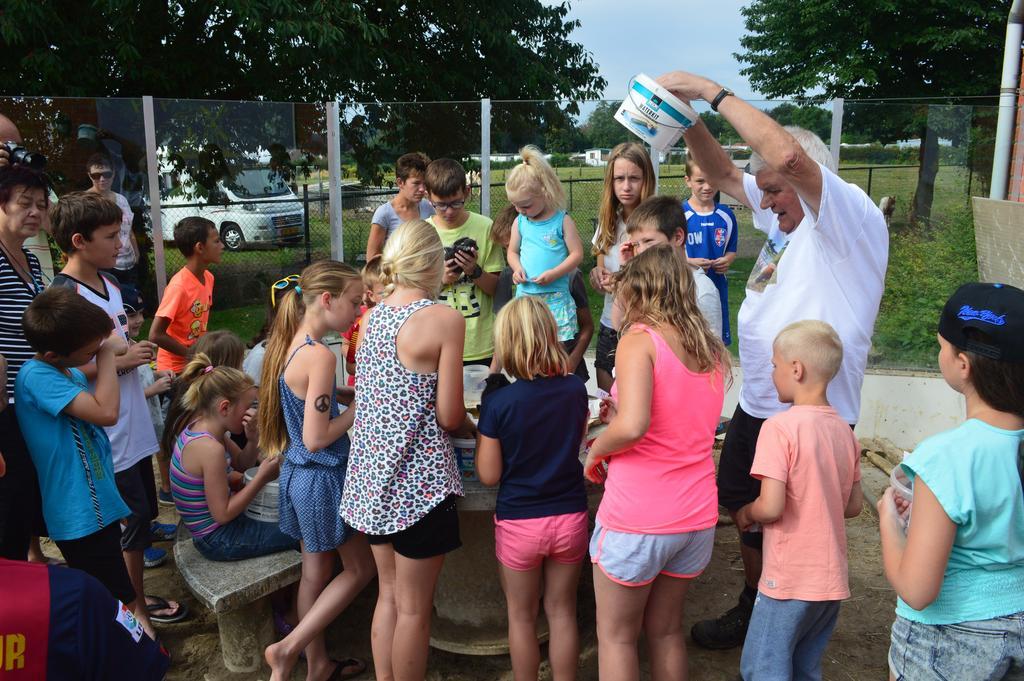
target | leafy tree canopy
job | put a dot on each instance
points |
(879, 49)
(290, 50)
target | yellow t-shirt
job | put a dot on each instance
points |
(477, 307)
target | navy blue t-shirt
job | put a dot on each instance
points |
(540, 426)
(60, 623)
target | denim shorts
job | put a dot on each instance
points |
(967, 651)
(637, 559)
(607, 342)
(787, 638)
(244, 538)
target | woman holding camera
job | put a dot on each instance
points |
(24, 201)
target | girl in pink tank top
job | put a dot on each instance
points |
(655, 525)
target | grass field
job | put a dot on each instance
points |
(924, 265)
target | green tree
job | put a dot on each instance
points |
(879, 49)
(290, 50)
(602, 130)
(813, 118)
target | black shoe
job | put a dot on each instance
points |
(728, 631)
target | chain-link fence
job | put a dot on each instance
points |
(263, 172)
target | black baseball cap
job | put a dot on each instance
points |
(131, 297)
(996, 310)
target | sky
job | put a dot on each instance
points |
(626, 37)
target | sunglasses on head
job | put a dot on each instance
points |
(103, 175)
(281, 286)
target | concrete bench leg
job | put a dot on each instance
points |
(244, 634)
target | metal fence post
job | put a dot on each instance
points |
(305, 219)
(334, 180)
(485, 156)
(570, 182)
(870, 173)
(837, 130)
(656, 164)
(153, 171)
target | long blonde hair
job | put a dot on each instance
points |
(413, 257)
(526, 340)
(535, 176)
(608, 214)
(657, 288)
(324, 276)
(202, 384)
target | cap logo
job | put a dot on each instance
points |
(968, 313)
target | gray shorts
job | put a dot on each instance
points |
(967, 651)
(637, 559)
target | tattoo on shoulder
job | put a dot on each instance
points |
(322, 403)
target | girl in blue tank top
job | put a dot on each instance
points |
(544, 247)
(301, 422)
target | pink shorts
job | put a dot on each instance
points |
(524, 544)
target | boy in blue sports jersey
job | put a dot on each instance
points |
(711, 235)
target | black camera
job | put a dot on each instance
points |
(464, 244)
(20, 156)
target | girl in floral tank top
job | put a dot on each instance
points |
(402, 478)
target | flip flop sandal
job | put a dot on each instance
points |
(339, 673)
(162, 604)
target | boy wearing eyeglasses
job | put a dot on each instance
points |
(472, 261)
(101, 174)
(185, 308)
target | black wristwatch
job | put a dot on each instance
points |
(725, 92)
(476, 273)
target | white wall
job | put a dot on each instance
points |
(903, 407)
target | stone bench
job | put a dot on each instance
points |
(238, 593)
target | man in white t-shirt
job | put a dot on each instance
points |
(825, 258)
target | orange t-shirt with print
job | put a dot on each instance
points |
(186, 303)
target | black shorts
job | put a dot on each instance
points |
(607, 341)
(485, 362)
(99, 554)
(435, 534)
(581, 368)
(21, 505)
(137, 486)
(736, 488)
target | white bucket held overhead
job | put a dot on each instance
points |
(654, 114)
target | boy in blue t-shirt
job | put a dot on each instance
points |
(63, 427)
(711, 236)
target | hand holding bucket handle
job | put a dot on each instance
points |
(689, 86)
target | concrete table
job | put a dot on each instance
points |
(470, 615)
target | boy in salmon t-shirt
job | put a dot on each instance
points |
(185, 309)
(808, 461)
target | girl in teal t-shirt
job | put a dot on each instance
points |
(958, 567)
(544, 247)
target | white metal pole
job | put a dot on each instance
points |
(153, 171)
(485, 156)
(334, 180)
(656, 163)
(836, 142)
(1007, 102)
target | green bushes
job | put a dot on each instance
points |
(925, 267)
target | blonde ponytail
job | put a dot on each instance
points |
(413, 257)
(324, 276)
(536, 176)
(201, 385)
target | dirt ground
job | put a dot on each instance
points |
(857, 650)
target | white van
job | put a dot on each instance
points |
(255, 207)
